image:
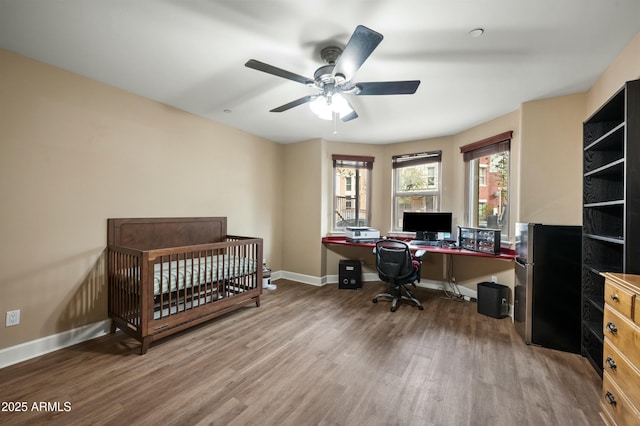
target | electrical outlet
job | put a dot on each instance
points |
(13, 318)
(494, 279)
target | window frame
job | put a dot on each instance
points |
(471, 154)
(361, 163)
(399, 162)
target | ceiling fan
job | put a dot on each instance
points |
(336, 78)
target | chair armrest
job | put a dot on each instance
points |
(418, 254)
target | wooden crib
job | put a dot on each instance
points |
(168, 274)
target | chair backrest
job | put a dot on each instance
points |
(393, 260)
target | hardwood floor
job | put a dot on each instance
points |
(314, 356)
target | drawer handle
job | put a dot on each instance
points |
(611, 363)
(611, 400)
(612, 327)
(614, 297)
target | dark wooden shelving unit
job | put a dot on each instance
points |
(611, 206)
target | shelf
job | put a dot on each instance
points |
(603, 253)
(608, 117)
(595, 330)
(605, 204)
(613, 168)
(606, 239)
(610, 141)
(598, 304)
(605, 184)
(604, 220)
(607, 150)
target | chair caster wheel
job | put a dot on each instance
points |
(421, 307)
(375, 300)
(393, 308)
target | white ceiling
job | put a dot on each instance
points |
(190, 54)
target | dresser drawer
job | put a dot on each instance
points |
(618, 407)
(619, 298)
(626, 376)
(623, 334)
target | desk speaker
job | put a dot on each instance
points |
(350, 274)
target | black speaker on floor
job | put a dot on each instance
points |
(350, 274)
(493, 299)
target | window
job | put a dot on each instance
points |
(351, 189)
(482, 175)
(416, 184)
(488, 181)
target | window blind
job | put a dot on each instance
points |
(486, 147)
(408, 160)
(353, 161)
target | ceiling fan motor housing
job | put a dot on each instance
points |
(324, 75)
(330, 54)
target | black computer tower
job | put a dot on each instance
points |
(493, 300)
(350, 274)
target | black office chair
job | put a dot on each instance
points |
(397, 266)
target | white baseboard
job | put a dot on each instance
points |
(301, 278)
(25, 351)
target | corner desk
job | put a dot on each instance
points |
(505, 254)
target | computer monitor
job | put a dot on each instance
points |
(426, 225)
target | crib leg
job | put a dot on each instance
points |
(257, 301)
(145, 345)
(113, 327)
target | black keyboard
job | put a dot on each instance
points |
(428, 243)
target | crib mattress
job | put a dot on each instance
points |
(188, 273)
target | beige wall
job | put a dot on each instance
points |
(302, 207)
(75, 152)
(624, 68)
(550, 166)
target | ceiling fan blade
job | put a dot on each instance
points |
(270, 69)
(295, 103)
(351, 116)
(407, 87)
(363, 41)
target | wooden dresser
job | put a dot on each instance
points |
(620, 399)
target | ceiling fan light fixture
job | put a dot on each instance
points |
(321, 108)
(324, 107)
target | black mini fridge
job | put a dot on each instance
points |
(547, 287)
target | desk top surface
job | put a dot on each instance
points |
(504, 254)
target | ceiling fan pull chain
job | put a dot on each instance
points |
(335, 123)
